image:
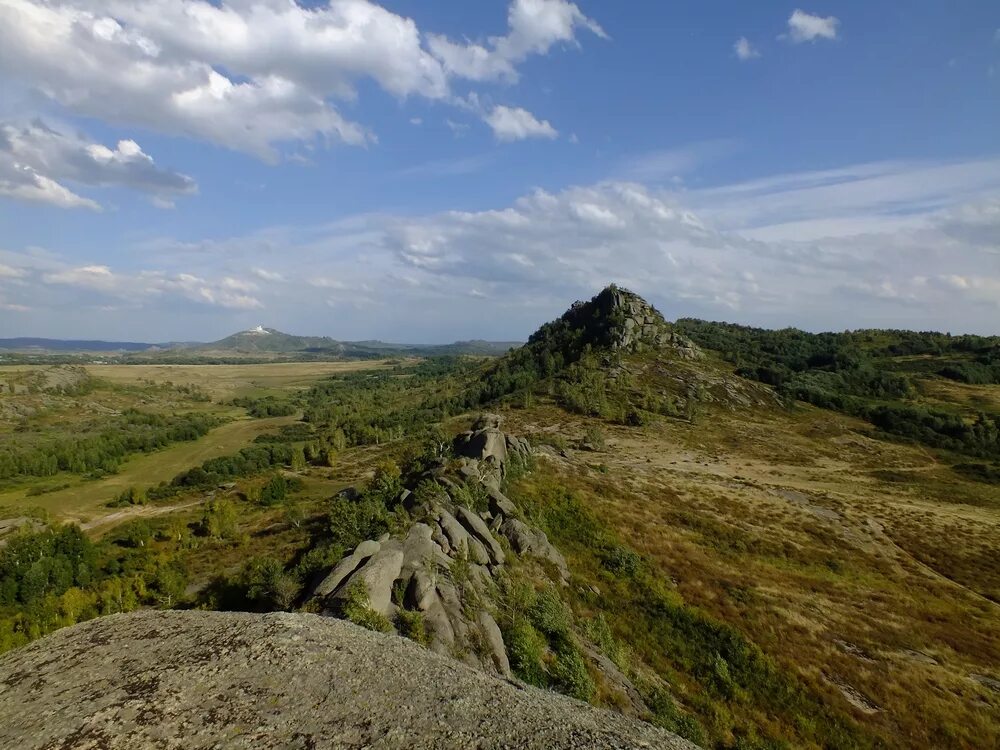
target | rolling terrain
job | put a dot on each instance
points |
(770, 539)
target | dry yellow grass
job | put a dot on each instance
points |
(228, 381)
(884, 593)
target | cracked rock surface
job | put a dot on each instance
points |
(189, 679)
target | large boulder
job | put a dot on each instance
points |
(478, 528)
(377, 576)
(331, 582)
(459, 538)
(494, 642)
(529, 541)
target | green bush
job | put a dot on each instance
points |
(356, 608)
(549, 615)
(569, 673)
(412, 625)
(621, 561)
(525, 647)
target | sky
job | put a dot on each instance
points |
(177, 170)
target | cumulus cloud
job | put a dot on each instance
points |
(251, 75)
(35, 159)
(534, 26)
(805, 27)
(266, 275)
(745, 50)
(516, 124)
(21, 182)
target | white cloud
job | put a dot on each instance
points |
(139, 288)
(262, 273)
(670, 164)
(900, 244)
(869, 197)
(9, 272)
(85, 277)
(534, 26)
(805, 27)
(516, 124)
(21, 182)
(745, 50)
(35, 159)
(251, 75)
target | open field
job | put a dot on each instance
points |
(36, 405)
(229, 381)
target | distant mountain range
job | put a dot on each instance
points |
(256, 341)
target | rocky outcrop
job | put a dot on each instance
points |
(179, 680)
(442, 569)
(629, 323)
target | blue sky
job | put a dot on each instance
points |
(428, 171)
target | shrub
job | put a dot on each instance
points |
(594, 437)
(350, 522)
(411, 625)
(218, 519)
(570, 673)
(267, 584)
(525, 647)
(621, 561)
(356, 608)
(549, 615)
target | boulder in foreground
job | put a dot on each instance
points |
(169, 679)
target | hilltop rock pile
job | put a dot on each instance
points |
(633, 323)
(444, 566)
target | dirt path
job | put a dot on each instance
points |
(136, 511)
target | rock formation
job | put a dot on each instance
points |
(631, 324)
(444, 565)
(193, 680)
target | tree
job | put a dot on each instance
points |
(267, 584)
(218, 519)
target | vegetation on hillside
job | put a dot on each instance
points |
(857, 373)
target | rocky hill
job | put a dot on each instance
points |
(621, 320)
(213, 680)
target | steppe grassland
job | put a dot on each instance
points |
(229, 381)
(868, 567)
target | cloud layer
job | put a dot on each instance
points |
(516, 124)
(258, 76)
(822, 250)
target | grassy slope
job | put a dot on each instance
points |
(783, 525)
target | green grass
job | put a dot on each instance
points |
(85, 500)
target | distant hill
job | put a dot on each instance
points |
(260, 342)
(69, 345)
(273, 341)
